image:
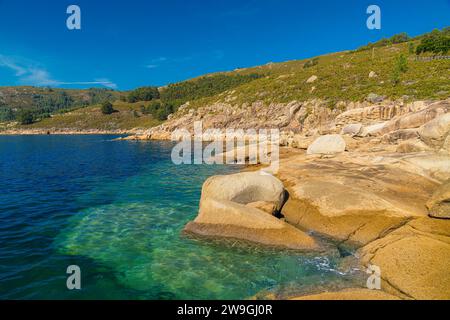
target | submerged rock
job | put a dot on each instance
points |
(226, 211)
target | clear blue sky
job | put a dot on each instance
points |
(126, 44)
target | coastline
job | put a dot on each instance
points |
(30, 132)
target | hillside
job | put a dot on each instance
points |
(389, 69)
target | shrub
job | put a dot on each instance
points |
(401, 66)
(25, 117)
(436, 42)
(143, 94)
(107, 108)
(158, 110)
(311, 63)
(6, 114)
(411, 48)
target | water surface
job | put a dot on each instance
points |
(116, 209)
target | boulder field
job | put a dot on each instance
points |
(372, 177)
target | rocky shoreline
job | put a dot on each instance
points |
(379, 190)
(373, 177)
(14, 132)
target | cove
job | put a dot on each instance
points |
(117, 209)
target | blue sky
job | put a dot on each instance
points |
(126, 44)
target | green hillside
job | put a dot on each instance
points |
(400, 67)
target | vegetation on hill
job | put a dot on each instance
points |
(43, 102)
(392, 63)
(143, 94)
(436, 42)
(126, 116)
(107, 108)
(207, 86)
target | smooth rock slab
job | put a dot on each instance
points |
(414, 259)
(352, 199)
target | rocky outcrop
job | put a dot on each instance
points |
(354, 199)
(414, 259)
(227, 209)
(436, 131)
(327, 145)
(439, 204)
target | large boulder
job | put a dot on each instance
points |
(372, 130)
(412, 120)
(328, 145)
(227, 209)
(439, 204)
(435, 131)
(352, 129)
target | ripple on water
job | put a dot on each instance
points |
(143, 244)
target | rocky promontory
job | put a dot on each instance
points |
(375, 183)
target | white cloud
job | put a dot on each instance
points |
(154, 63)
(31, 74)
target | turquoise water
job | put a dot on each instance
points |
(117, 209)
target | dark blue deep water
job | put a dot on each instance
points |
(116, 209)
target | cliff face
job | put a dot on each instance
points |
(387, 123)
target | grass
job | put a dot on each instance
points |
(344, 76)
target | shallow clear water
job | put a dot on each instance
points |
(116, 209)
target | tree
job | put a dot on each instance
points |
(107, 108)
(411, 48)
(402, 63)
(436, 42)
(401, 66)
(399, 38)
(143, 94)
(25, 117)
(6, 114)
